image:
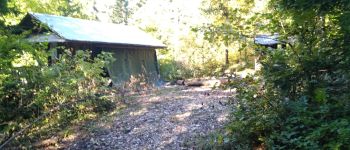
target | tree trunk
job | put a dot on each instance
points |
(226, 58)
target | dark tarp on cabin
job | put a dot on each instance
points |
(133, 63)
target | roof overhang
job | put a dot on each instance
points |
(49, 38)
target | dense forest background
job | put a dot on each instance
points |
(298, 100)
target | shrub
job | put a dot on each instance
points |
(29, 87)
(301, 98)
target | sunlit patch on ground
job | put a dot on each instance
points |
(139, 112)
(198, 89)
(47, 143)
(223, 117)
(182, 117)
(70, 138)
(154, 99)
(193, 106)
(180, 129)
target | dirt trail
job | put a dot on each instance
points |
(170, 118)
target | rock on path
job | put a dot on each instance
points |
(171, 118)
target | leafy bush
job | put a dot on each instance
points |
(264, 117)
(301, 99)
(171, 70)
(67, 89)
(174, 70)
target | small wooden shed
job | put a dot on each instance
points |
(133, 49)
(267, 41)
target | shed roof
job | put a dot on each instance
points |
(267, 39)
(79, 30)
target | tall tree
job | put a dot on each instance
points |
(231, 22)
(121, 12)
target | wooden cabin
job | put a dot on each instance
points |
(133, 49)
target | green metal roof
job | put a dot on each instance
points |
(79, 30)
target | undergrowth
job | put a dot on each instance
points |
(38, 99)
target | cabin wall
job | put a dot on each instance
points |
(130, 62)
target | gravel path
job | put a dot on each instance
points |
(171, 118)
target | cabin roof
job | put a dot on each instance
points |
(266, 39)
(80, 30)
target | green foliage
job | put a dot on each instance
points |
(189, 53)
(29, 87)
(63, 92)
(196, 67)
(121, 12)
(12, 11)
(228, 43)
(301, 100)
(170, 70)
(255, 115)
(231, 23)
